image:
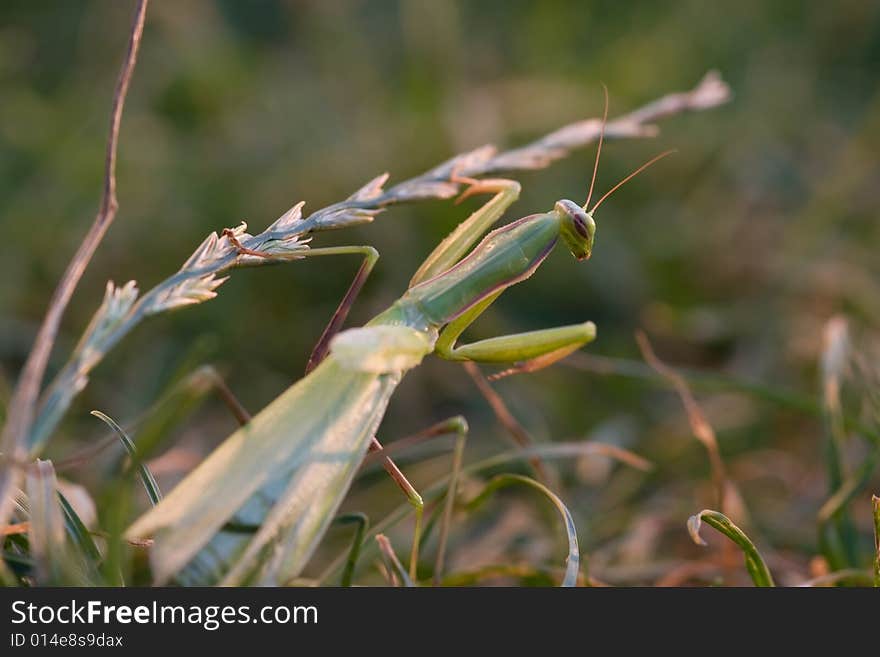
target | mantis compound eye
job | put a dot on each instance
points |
(580, 225)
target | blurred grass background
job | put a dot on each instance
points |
(732, 254)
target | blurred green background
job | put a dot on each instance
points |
(732, 254)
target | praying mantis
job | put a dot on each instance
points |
(255, 509)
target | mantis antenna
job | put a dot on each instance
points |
(599, 149)
(630, 177)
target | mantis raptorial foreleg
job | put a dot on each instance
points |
(466, 234)
(546, 344)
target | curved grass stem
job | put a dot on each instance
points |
(755, 564)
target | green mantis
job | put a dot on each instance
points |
(254, 511)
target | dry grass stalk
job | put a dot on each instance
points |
(24, 398)
(700, 427)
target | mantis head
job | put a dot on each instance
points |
(576, 227)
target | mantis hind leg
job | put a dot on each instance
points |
(454, 425)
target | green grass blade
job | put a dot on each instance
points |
(363, 522)
(572, 561)
(117, 564)
(758, 570)
(146, 476)
(78, 532)
(562, 451)
(16, 565)
(457, 457)
(54, 563)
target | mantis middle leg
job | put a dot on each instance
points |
(370, 256)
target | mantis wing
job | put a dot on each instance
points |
(286, 471)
